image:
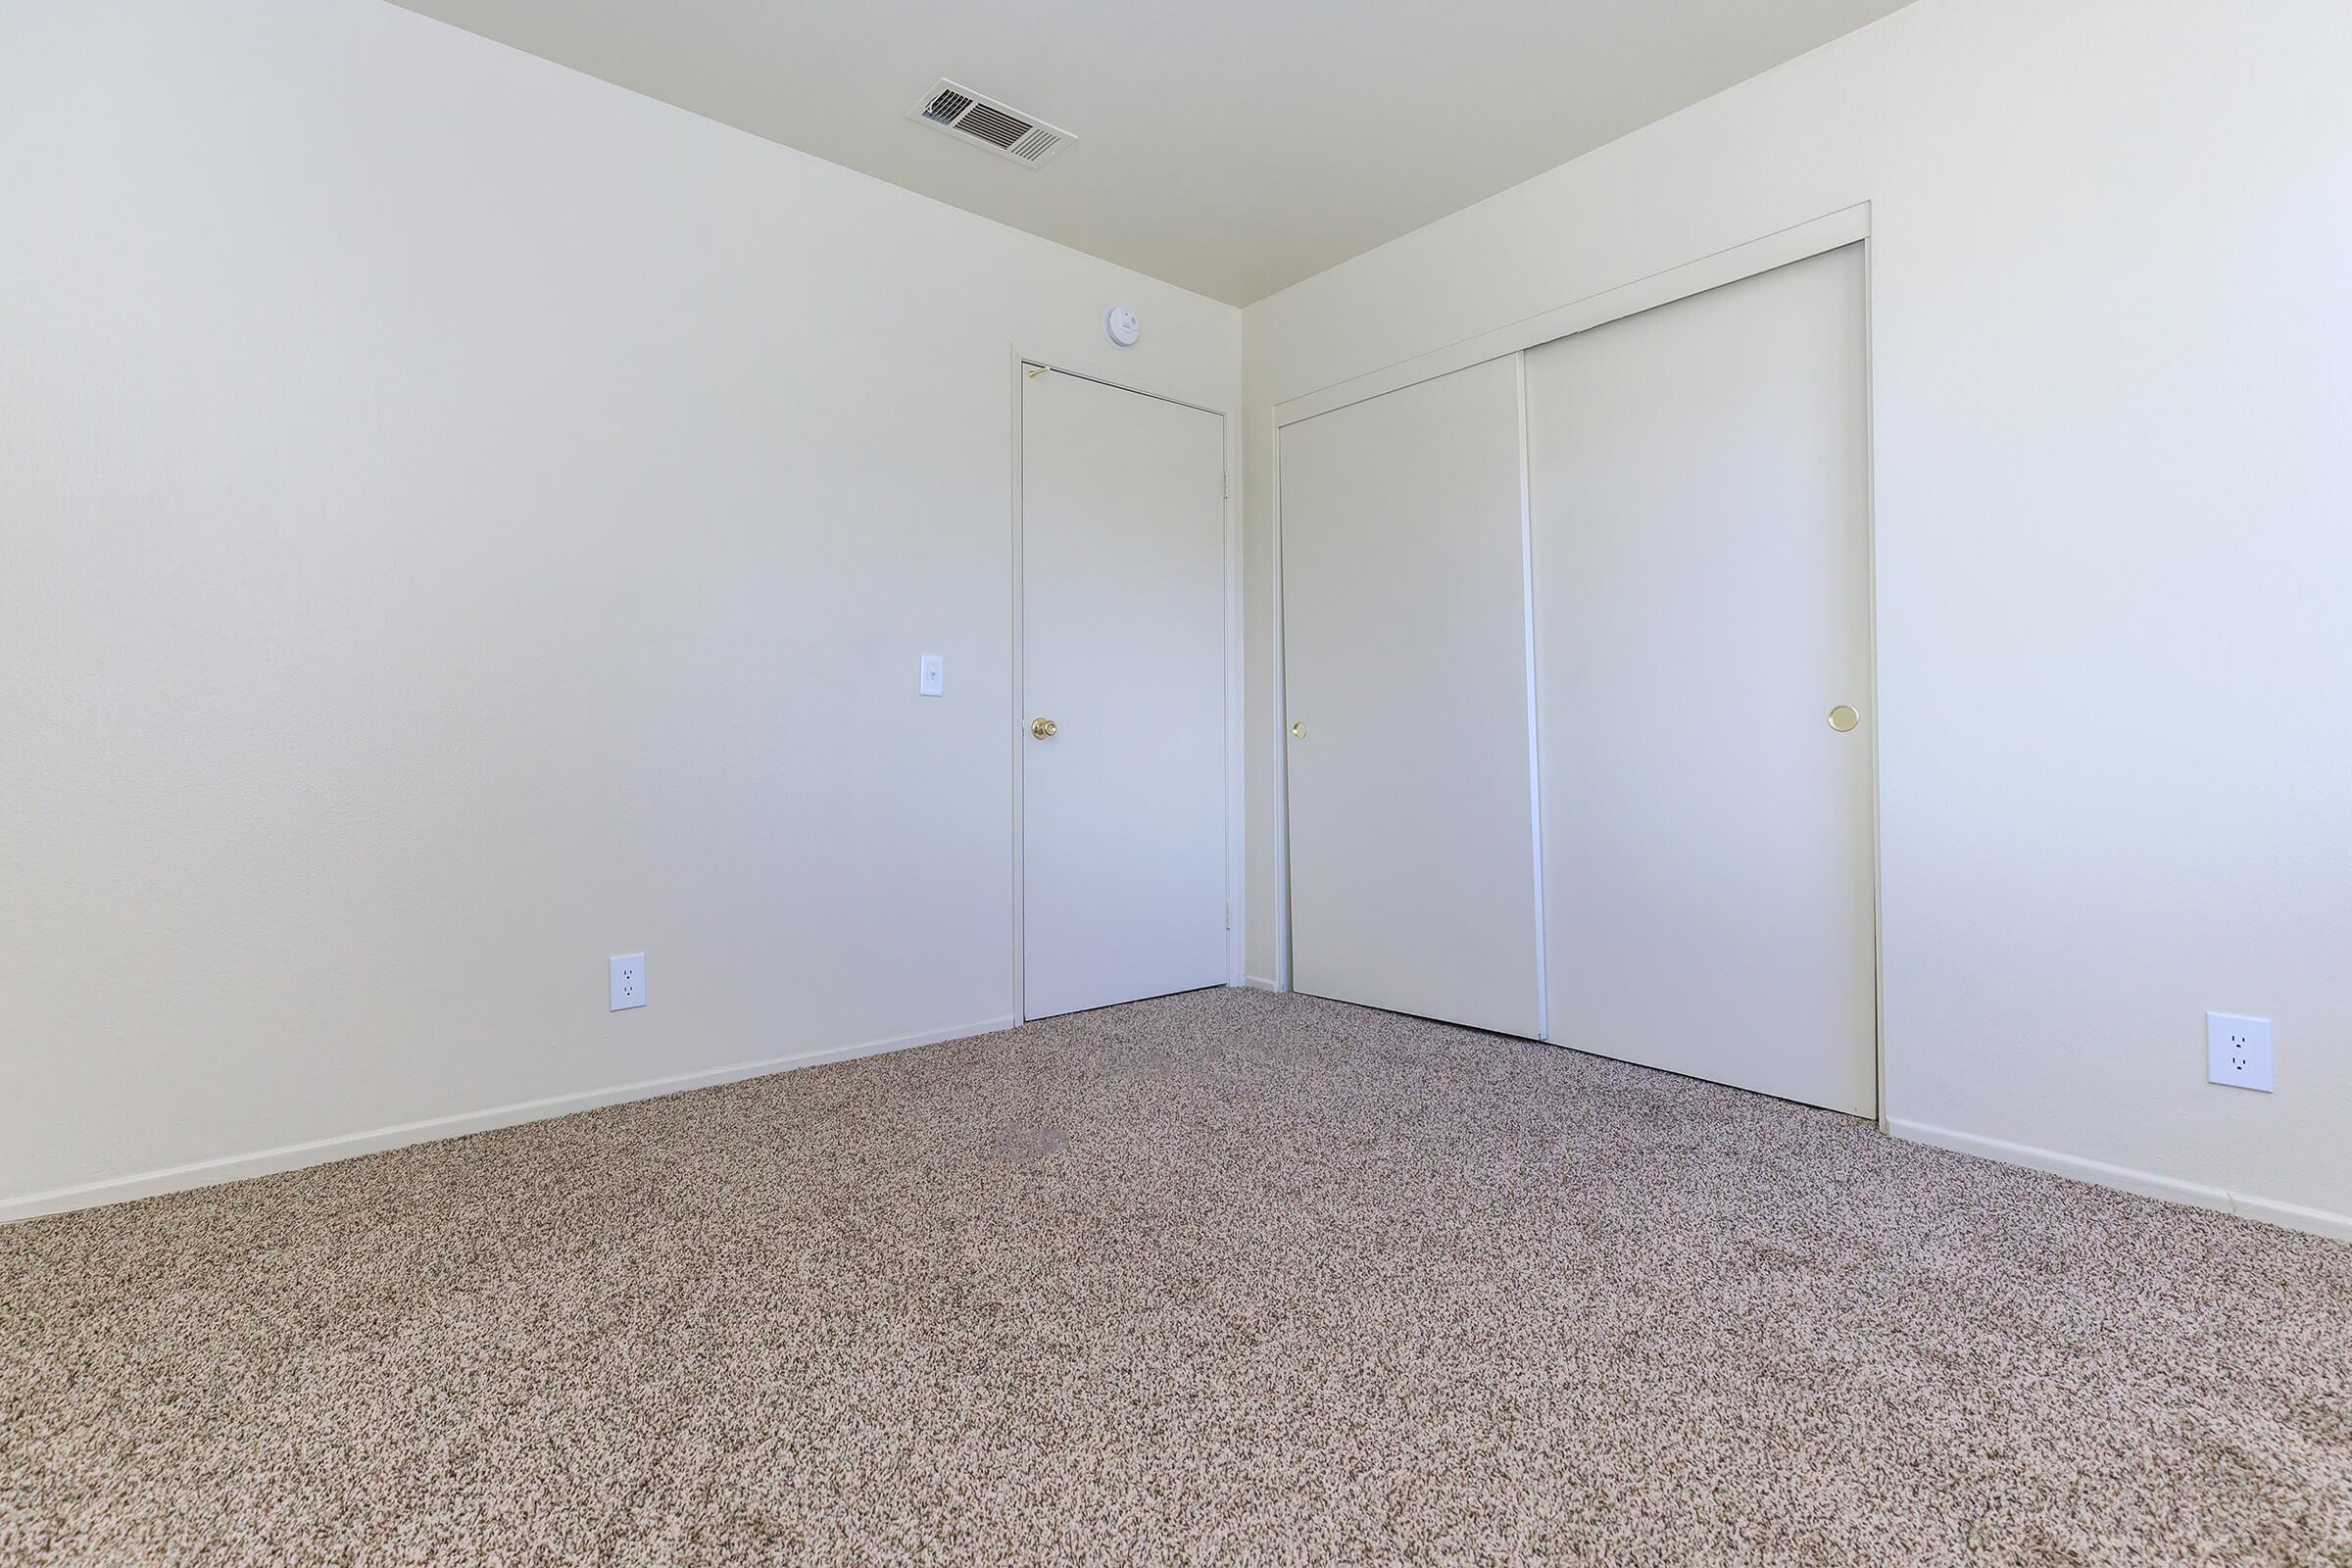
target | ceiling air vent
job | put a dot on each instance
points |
(998, 127)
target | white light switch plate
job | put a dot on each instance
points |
(2237, 1050)
(628, 981)
(934, 676)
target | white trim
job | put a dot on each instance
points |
(1535, 740)
(2292, 1216)
(1828, 232)
(1017, 719)
(1237, 730)
(325, 1151)
(1282, 722)
(1236, 919)
(1870, 590)
(1259, 982)
(2123, 1178)
(1032, 361)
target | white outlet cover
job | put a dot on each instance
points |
(628, 981)
(2237, 1050)
(932, 681)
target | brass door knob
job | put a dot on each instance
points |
(1843, 718)
(1041, 728)
(1298, 730)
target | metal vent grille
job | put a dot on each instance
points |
(946, 105)
(988, 122)
(993, 126)
(1034, 146)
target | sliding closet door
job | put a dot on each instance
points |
(1698, 482)
(1404, 640)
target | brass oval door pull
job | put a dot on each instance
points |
(1041, 728)
(1843, 718)
(1298, 730)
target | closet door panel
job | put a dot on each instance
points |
(1698, 481)
(1405, 657)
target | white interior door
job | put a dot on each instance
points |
(1698, 482)
(1123, 653)
(1405, 675)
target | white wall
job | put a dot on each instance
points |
(458, 520)
(2114, 456)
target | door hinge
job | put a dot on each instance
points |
(1225, 487)
(1228, 915)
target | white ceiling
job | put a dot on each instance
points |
(1230, 146)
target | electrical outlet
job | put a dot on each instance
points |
(628, 981)
(2237, 1050)
(933, 681)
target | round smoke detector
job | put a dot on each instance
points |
(1121, 326)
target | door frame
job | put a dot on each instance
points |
(1023, 365)
(1848, 225)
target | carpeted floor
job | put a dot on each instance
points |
(1218, 1278)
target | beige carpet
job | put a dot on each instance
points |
(1219, 1278)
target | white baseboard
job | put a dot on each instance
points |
(324, 1151)
(1259, 982)
(2293, 1216)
